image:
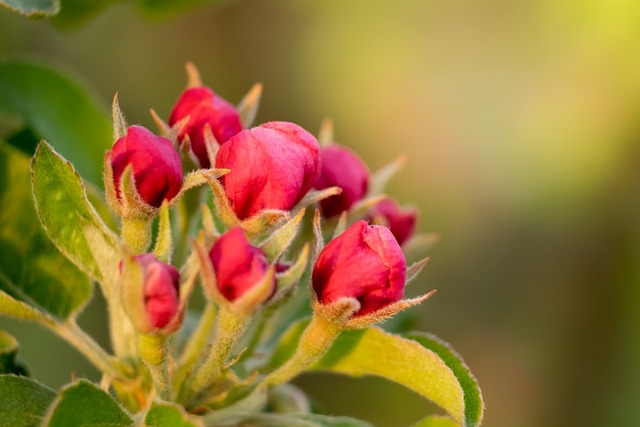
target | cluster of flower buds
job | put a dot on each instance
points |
(262, 179)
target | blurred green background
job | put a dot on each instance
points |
(521, 122)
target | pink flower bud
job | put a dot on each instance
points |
(272, 167)
(157, 169)
(161, 287)
(366, 263)
(341, 167)
(401, 222)
(203, 107)
(238, 265)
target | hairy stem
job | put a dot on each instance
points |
(315, 341)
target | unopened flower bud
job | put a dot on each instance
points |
(272, 167)
(238, 266)
(342, 168)
(203, 107)
(401, 222)
(160, 291)
(364, 263)
(157, 169)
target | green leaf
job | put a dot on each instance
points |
(473, 404)
(82, 404)
(57, 105)
(419, 362)
(65, 212)
(436, 422)
(33, 8)
(169, 414)
(32, 270)
(8, 355)
(23, 401)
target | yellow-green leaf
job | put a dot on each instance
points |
(420, 362)
(32, 270)
(65, 211)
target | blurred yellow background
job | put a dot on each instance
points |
(521, 123)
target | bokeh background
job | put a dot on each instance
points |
(521, 123)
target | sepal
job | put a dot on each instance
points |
(276, 244)
(414, 269)
(382, 176)
(248, 107)
(287, 280)
(315, 196)
(193, 75)
(325, 135)
(119, 123)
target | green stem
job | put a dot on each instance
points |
(257, 333)
(74, 335)
(229, 329)
(196, 345)
(153, 351)
(314, 343)
(185, 215)
(136, 233)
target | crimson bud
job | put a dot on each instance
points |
(161, 287)
(238, 265)
(341, 167)
(401, 222)
(366, 263)
(203, 107)
(157, 169)
(272, 167)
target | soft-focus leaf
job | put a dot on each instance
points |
(436, 422)
(23, 401)
(9, 363)
(85, 404)
(33, 8)
(64, 210)
(168, 8)
(32, 270)
(169, 414)
(420, 363)
(76, 12)
(304, 420)
(58, 106)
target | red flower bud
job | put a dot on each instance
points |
(341, 167)
(272, 167)
(366, 263)
(156, 165)
(238, 266)
(204, 107)
(401, 222)
(161, 287)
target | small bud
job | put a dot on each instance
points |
(238, 266)
(272, 167)
(401, 222)
(204, 107)
(160, 290)
(150, 292)
(365, 264)
(156, 165)
(342, 168)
